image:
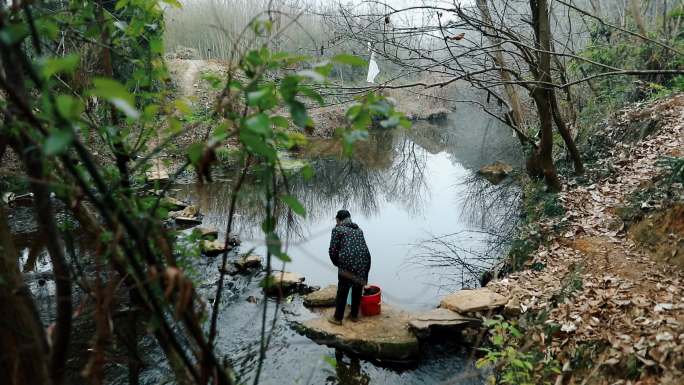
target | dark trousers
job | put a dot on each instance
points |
(343, 286)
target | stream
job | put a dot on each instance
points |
(431, 224)
(403, 188)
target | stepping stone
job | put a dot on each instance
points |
(496, 172)
(187, 222)
(423, 325)
(470, 301)
(321, 298)
(173, 204)
(188, 212)
(247, 262)
(385, 337)
(207, 233)
(213, 248)
(284, 282)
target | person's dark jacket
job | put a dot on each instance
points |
(349, 252)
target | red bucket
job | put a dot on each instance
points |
(370, 300)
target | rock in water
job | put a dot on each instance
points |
(385, 337)
(207, 233)
(470, 301)
(496, 172)
(173, 204)
(247, 262)
(439, 320)
(284, 282)
(321, 298)
(212, 248)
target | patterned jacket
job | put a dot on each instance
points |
(349, 252)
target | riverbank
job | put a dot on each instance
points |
(598, 290)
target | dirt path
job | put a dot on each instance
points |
(601, 287)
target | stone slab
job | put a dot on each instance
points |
(496, 171)
(424, 324)
(247, 262)
(470, 301)
(385, 337)
(321, 298)
(213, 248)
(207, 233)
(284, 282)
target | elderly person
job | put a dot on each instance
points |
(349, 252)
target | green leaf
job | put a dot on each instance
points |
(298, 113)
(115, 93)
(280, 121)
(14, 33)
(195, 151)
(259, 124)
(257, 145)
(349, 59)
(57, 142)
(64, 64)
(294, 205)
(68, 106)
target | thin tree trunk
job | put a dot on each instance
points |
(23, 347)
(567, 137)
(512, 94)
(542, 96)
(635, 9)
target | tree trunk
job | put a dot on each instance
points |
(567, 137)
(635, 9)
(542, 94)
(23, 347)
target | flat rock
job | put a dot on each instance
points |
(321, 298)
(496, 172)
(284, 282)
(385, 337)
(188, 212)
(424, 324)
(247, 262)
(187, 222)
(207, 233)
(173, 204)
(470, 301)
(212, 248)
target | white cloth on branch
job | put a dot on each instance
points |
(373, 69)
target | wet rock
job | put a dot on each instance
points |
(252, 299)
(470, 301)
(322, 298)
(284, 283)
(233, 240)
(173, 204)
(14, 200)
(385, 337)
(212, 248)
(496, 172)
(189, 216)
(247, 262)
(207, 233)
(439, 320)
(188, 212)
